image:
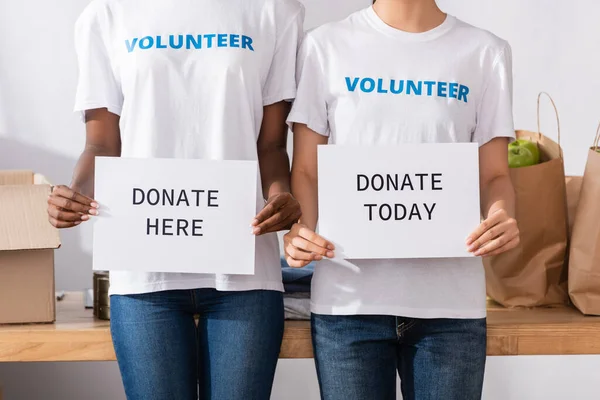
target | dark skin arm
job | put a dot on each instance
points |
(282, 209)
(68, 206)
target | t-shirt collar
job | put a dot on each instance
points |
(431, 34)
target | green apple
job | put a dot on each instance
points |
(520, 157)
(529, 145)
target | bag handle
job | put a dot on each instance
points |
(557, 119)
(597, 140)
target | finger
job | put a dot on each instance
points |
(299, 254)
(296, 263)
(273, 228)
(492, 220)
(67, 192)
(508, 246)
(489, 235)
(493, 245)
(62, 224)
(316, 239)
(66, 216)
(271, 208)
(280, 220)
(70, 205)
(268, 225)
(311, 247)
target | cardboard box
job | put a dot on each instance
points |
(27, 243)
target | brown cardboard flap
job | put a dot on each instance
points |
(24, 219)
(16, 177)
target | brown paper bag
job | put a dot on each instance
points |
(534, 273)
(573, 190)
(584, 258)
(573, 184)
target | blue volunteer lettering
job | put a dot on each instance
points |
(197, 42)
(452, 90)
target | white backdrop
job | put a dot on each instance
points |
(555, 45)
(555, 49)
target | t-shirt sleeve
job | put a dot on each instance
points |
(97, 86)
(495, 113)
(281, 80)
(310, 105)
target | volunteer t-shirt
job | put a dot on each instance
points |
(364, 82)
(189, 79)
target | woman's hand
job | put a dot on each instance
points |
(281, 212)
(68, 208)
(302, 246)
(497, 234)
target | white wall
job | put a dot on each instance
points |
(556, 46)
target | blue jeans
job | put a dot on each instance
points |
(437, 359)
(231, 354)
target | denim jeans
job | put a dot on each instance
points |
(231, 354)
(357, 357)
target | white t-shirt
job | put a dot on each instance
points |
(364, 82)
(189, 79)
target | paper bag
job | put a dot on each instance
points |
(573, 184)
(534, 273)
(584, 258)
(573, 190)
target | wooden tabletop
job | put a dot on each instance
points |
(77, 336)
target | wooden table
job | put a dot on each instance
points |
(77, 336)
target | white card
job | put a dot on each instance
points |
(405, 201)
(173, 215)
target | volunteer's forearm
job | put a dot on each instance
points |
(305, 190)
(103, 138)
(498, 194)
(83, 174)
(274, 170)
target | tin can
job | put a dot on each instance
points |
(101, 299)
(104, 312)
